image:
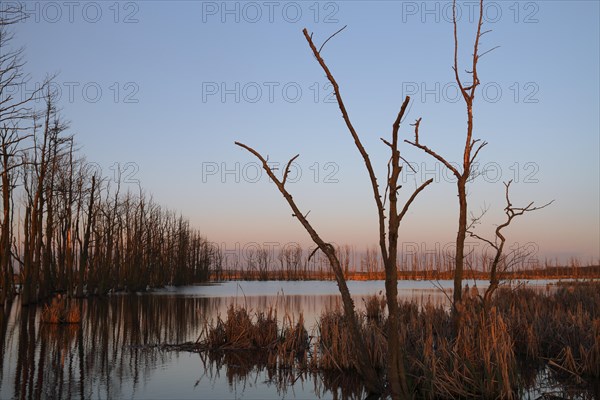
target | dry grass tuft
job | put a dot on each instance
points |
(61, 311)
(334, 349)
(283, 346)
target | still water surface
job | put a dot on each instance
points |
(111, 354)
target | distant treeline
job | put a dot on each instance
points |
(292, 262)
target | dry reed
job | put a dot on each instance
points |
(285, 346)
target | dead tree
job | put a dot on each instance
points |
(471, 149)
(263, 263)
(13, 110)
(396, 368)
(365, 368)
(370, 261)
(499, 241)
(15, 125)
(9, 141)
(34, 232)
(344, 254)
(84, 256)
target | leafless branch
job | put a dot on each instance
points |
(357, 141)
(329, 38)
(287, 168)
(412, 198)
(436, 156)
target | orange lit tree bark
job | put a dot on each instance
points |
(470, 150)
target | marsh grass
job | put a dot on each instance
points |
(562, 328)
(262, 336)
(334, 349)
(497, 352)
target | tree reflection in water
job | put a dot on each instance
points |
(243, 369)
(115, 350)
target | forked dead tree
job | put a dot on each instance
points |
(388, 241)
(470, 151)
(511, 212)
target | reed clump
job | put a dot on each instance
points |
(476, 361)
(334, 349)
(294, 343)
(279, 344)
(61, 311)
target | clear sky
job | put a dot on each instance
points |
(180, 81)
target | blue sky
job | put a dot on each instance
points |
(180, 81)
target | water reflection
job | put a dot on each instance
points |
(113, 353)
(244, 371)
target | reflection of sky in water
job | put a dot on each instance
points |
(307, 297)
(240, 289)
(102, 357)
(178, 380)
(307, 288)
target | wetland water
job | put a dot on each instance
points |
(111, 354)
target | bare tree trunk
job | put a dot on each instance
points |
(26, 287)
(6, 289)
(460, 240)
(86, 240)
(469, 151)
